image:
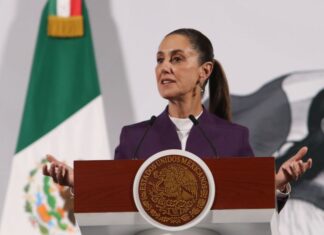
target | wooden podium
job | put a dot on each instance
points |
(245, 200)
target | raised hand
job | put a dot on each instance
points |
(292, 169)
(59, 171)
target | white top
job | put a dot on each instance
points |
(183, 127)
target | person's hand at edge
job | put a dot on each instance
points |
(60, 172)
(292, 169)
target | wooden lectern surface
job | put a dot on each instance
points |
(107, 185)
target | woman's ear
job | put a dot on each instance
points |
(205, 71)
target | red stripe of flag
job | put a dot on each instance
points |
(76, 7)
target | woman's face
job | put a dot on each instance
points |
(178, 72)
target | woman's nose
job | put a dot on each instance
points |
(166, 67)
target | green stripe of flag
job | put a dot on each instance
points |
(63, 79)
(52, 7)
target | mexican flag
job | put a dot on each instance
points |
(63, 116)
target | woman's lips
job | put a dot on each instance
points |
(167, 81)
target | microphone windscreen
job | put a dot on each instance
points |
(152, 120)
(193, 119)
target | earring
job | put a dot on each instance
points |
(202, 89)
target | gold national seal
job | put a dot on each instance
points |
(173, 190)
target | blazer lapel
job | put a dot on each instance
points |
(196, 142)
(165, 132)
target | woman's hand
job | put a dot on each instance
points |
(292, 169)
(60, 172)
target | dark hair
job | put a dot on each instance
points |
(219, 98)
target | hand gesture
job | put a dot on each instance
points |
(60, 172)
(292, 169)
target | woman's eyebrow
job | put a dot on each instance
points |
(172, 52)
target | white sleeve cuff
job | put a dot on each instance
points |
(280, 194)
(71, 192)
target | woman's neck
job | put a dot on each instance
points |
(180, 109)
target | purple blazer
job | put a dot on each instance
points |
(228, 138)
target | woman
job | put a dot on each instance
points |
(185, 63)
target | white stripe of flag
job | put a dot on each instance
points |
(63, 8)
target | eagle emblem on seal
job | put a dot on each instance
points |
(173, 190)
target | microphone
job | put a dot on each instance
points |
(151, 122)
(196, 123)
